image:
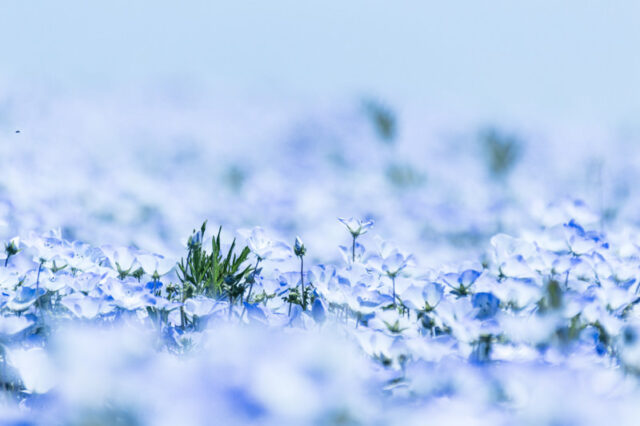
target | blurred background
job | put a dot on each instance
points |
(446, 122)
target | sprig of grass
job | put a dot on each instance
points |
(213, 274)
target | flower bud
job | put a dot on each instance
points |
(299, 248)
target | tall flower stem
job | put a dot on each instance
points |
(38, 276)
(244, 308)
(304, 296)
(300, 250)
(353, 250)
(38, 284)
(255, 268)
(393, 282)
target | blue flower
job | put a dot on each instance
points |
(432, 293)
(25, 297)
(255, 313)
(153, 286)
(199, 306)
(486, 303)
(318, 311)
(581, 241)
(83, 306)
(11, 325)
(468, 277)
(155, 264)
(462, 282)
(394, 263)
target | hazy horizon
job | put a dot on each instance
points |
(496, 60)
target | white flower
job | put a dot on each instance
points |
(356, 226)
(263, 247)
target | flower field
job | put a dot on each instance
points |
(353, 264)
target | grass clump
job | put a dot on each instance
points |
(214, 273)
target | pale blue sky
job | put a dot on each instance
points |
(540, 58)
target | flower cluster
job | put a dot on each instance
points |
(368, 340)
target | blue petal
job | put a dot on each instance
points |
(486, 303)
(468, 277)
(318, 311)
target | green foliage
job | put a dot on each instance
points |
(394, 327)
(213, 274)
(404, 176)
(124, 273)
(502, 151)
(235, 177)
(554, 294)
(552, 299)
(138, 274)
(482, 347)
(293, 296)
(55, 268)
(304, 297)
(262, 297)
(461, 291)
(383, 119)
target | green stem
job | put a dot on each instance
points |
(38, 285)
(183, 315)
(38, 277)
(304, 298)
(353, 250)
(255, 268)
(393, 281)
(244, 308)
